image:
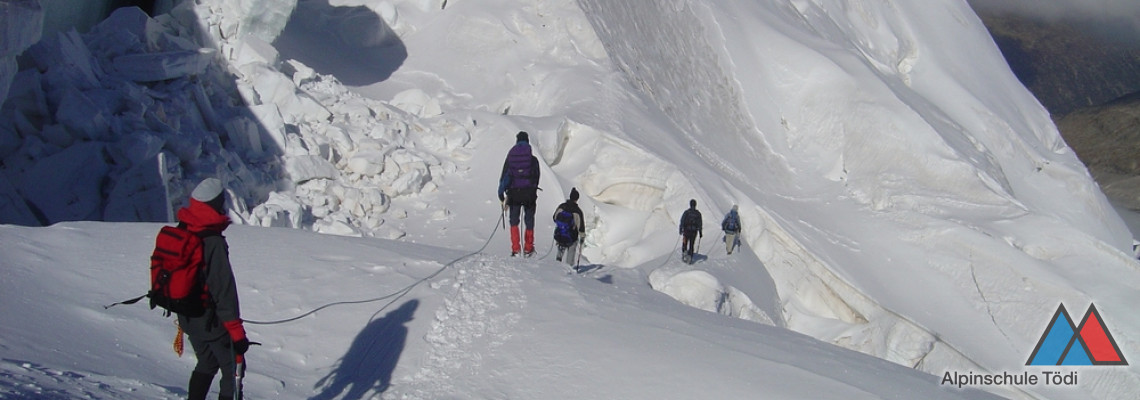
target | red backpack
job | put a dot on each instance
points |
(177, 273)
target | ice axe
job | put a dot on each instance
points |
(239, 374)
(239, 371)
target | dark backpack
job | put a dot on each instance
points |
(177, 273)
(731, 223)
(520, 168)
(565, 233)
(691, 220)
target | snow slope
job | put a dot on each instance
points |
(902, 194)
(485, 327)
(981, 224)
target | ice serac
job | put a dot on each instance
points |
(156, 104)
(227, 21)
(13, 209)
(22, 23)
(67, 185)
(307, 167)
(135, 102)
(263, 19)
(870, 132)
(153, 67)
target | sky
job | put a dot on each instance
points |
(909, 209)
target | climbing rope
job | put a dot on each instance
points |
(394, 296)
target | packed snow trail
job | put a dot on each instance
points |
(481, 311)
(514, 314)
(395, 296)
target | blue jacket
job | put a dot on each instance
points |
(733, 217)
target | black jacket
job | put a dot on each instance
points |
(691, 223)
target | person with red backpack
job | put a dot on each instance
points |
(217, 335)
(518, 191)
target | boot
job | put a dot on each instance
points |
(528, 248)
(514, 240)
(199, 385)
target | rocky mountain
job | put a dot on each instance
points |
(1107, 139)
(1089, 80)
(1068, 65)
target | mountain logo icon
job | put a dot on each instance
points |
(1064, 343)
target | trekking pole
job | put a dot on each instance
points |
(581, 246)
(503, 214)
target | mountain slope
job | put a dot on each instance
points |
(1068, 63)
(847, 204)
(902, 194)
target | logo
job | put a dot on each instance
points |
(1064, 343)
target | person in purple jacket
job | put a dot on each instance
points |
(518, 192)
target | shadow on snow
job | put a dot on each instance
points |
(368, 364)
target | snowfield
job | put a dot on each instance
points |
(486, 327)
(909, 209)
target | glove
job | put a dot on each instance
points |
(237, 333)
(241, 346)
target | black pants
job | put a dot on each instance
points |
(213, 356)
(687, 244)
(527, 211)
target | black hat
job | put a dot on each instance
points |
(574, 194)
(522, 137)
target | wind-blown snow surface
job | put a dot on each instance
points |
(486, 327)
(902, 195)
